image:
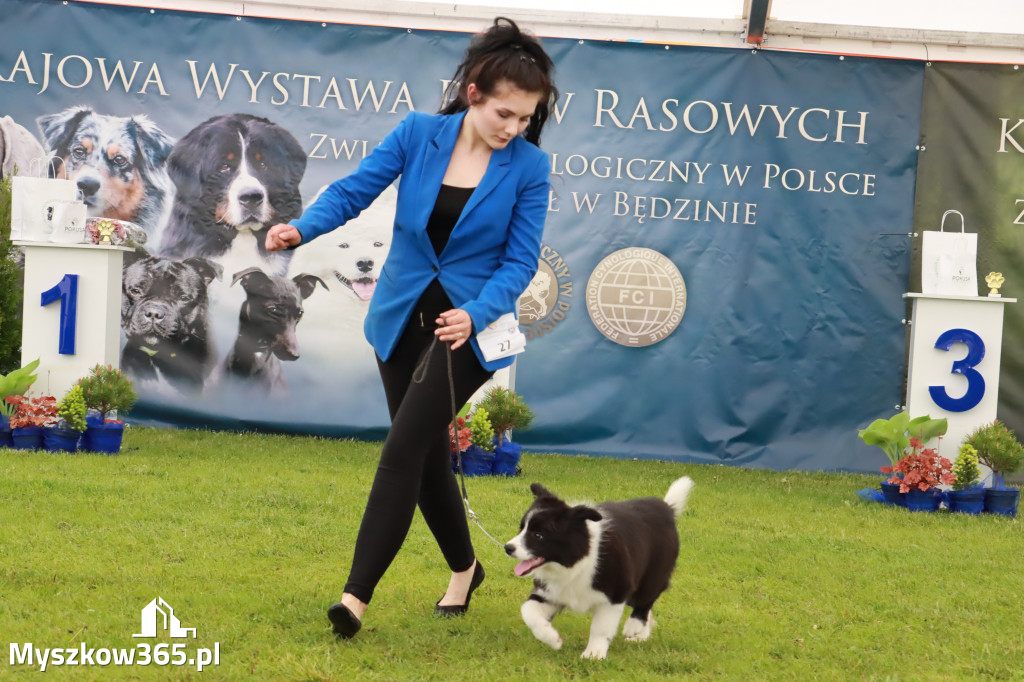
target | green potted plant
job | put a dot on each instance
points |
(967, 495)
(71, 424)
(14, 383)
(106, 390)
(30, 419)
(478, 459)
(893, 437)
(11, 284)
(999, 450)
(508, 412)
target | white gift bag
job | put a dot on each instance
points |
(949, 260)
(67, 221)
(31, 221)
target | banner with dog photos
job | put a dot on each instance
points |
(719, 280)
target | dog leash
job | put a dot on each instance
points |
(417, 377)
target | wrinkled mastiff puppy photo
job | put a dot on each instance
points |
(164, 315)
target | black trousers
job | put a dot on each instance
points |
(415, 463)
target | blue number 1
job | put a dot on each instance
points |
(975, 382)
(67, 291)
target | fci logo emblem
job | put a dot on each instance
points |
(636, 297)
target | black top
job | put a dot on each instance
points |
(447, 209)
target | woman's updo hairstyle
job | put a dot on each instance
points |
(504, 53)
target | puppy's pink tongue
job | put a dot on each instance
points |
(364, 288)
(524, 567)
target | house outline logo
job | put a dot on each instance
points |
(170, 622)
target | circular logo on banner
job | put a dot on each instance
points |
(548, 297)
(636, 297)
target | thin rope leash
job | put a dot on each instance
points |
(418, 377)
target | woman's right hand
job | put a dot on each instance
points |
(282, 236)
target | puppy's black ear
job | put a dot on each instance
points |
(585, 513)
(59, 129)
(540, 491)
(207, 269)
(187, 157)
(307, 284)
(130, 258)
(254, 281)
(62, 125)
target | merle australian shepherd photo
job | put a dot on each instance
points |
(598, 560)
(118, 163)
(235, 175)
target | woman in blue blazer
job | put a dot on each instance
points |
(472, 200)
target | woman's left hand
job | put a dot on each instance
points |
(455, 326)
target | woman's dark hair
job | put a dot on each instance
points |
(504, 53)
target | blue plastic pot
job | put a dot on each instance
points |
(1002, 501)
(477, 462)
(6, 439)
(506, 458)
(891, 493)
(56, 439)
(967, 501)
(104, 437)
(923, 500)
(28, 438)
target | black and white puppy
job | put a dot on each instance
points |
(235, 175)
(597, 560)
(164, 315)
(118, 163)
(266, 327)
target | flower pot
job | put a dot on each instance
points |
(56, 438)
(967, 501)
(891, 493)
(923, 500)
(28, 438)
(477, 462)
(506, 458)
(6, 439)
(1003, 502)
(104, 437)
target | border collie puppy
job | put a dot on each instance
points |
(598, 560)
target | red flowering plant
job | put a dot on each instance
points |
(40, 411)
(921, 468)
(464, 435)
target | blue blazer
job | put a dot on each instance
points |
(493, 250)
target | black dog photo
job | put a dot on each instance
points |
(164, 317)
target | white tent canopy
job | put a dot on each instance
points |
(986, 30)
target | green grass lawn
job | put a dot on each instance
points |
(781, 575)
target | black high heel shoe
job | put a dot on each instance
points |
(345, 623)
(460, 609)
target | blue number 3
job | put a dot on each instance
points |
(975, 382)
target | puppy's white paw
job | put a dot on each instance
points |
(549, 636)
(597, 652)
(637, 631)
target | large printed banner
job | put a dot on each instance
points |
(972, 131)
(722, 265)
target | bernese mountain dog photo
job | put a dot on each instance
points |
(598, 560)
(118, 163)
(235, 175)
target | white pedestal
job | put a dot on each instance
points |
(97, 328)
(955, 351)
